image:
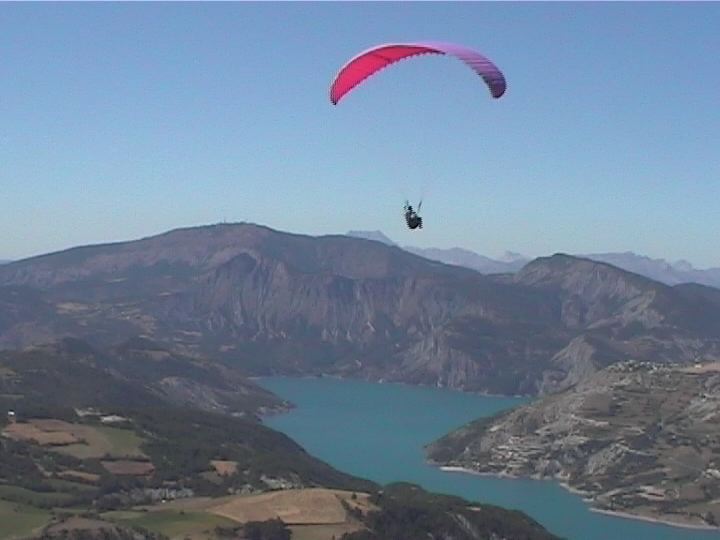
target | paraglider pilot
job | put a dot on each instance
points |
(413, 220)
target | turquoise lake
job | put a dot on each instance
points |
(378, 431)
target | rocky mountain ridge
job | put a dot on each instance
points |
(639, 438)
(275, 302)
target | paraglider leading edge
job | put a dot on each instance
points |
(372, 60)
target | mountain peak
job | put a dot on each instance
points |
(377, 236)
(562, 266)
(513, 256)
(683, 266)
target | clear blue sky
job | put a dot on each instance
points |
(126, 120)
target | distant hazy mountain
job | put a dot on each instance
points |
(660, 269)
(4, 261)
(510, 262)
(512, 257)
(656, 269)
(469, 259)
(378, 236)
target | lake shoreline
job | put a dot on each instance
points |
(378, 431)
(585, 498)
(627, 515)
(382, 380)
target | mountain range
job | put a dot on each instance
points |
(670, 273)
(510, 262)
(88, 434)
(273, 302)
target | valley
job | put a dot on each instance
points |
(104, 347)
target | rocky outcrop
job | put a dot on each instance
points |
(640, 438)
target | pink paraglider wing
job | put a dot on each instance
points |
(376, 58)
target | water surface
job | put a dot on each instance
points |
(377, 431)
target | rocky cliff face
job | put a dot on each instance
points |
(597, 296)
(641, 438)
(619, 315)
(281, 303)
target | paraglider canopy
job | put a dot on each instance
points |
(368, 62)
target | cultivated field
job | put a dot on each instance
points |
(20, 521)
(224, 468)
(80, 524)
(174, 523)
(80, 475)
(34, 498)
(125, 467)
(311, 514)
(101, 441)
(78, 440)
(31, 433)
(323, 532)
(314, 506)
